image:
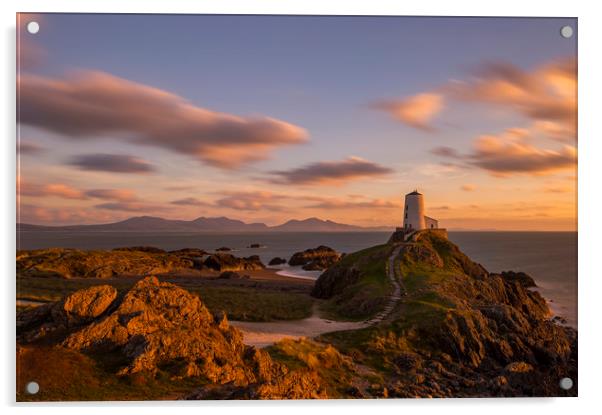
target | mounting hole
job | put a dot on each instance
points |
(32, 388)
(33, 27)
(566, 383)
(566, 32)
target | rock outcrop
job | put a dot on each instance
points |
(277, 261)
(75, 263)
(74, 310)
(523, 279)
(157, 326)
(228, 262)
(128, 262)
(314, 259)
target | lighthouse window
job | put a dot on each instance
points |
(406, 215)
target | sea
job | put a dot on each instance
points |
(549, 257)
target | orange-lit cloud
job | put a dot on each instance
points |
(509, 153)
(416, 111)
(54, 189)
(468, 187)
(92, 104)
(66, 191)
(546, 95)
(342, 204)
(330, 172)
(136, 207)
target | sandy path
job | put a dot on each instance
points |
(264, 334)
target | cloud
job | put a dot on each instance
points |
(27, 213)
(122, 195)
(139, 207)
(468, 187)
(351, 204)
(54, 189)
(416, 111)
(116, 163)
(189, 201)
(27, 147)
(330, 172)
(547, 95)
(179, 188)
(508, 153)
(69, 192)
(94, 104)
(445, 151)
(251, 201)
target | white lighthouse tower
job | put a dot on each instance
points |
(413, 216)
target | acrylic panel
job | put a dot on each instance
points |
(295, 207)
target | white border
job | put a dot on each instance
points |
(590, 175)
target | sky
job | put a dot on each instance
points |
(270, 118)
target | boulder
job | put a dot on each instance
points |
(73, 311)
(223, 249)
(318, 258)
(85, 305)
(277, 261)
(228, 262)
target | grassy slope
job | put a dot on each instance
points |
(239, 303)
(425, 305)
(367, 297)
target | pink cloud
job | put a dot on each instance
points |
(94, 104)
(416, 111)
(54, 189)
(330, 172)
(508, 153)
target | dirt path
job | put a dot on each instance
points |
(392, 273)
(264, 334)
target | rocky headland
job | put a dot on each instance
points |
(452, 329)
(457, 329)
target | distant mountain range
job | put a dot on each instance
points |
(202, 224)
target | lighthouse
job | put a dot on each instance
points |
(413, 215)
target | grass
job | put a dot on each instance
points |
(366, 297)
(67, 375)
(246, 303)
